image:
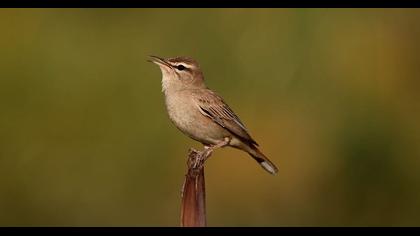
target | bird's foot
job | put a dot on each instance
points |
(210, 149)
(199, 157)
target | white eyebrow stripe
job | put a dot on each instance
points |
(184, 64)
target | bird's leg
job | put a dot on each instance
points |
(221, 144)
(208, 150)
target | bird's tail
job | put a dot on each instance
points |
(263, 160)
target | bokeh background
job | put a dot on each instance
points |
(331, 95)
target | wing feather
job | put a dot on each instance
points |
(214, 107)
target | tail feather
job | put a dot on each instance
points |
(263, 161)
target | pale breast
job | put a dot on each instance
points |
(185, 115)
(180, 110)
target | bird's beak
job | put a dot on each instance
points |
(159, 61)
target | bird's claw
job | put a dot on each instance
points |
(199, 157)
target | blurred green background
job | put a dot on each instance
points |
(331, 95)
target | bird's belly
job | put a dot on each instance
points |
(187, 118)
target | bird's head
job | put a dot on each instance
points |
(179, 73)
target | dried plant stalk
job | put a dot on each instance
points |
(193, 205)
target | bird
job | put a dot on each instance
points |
(200, 113)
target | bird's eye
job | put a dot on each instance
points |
(180, 67)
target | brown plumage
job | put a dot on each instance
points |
(200, 113)
(214, 107)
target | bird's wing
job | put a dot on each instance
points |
(213, 106)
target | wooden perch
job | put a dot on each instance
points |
(193, 205)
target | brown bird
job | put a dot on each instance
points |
(200, 113)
